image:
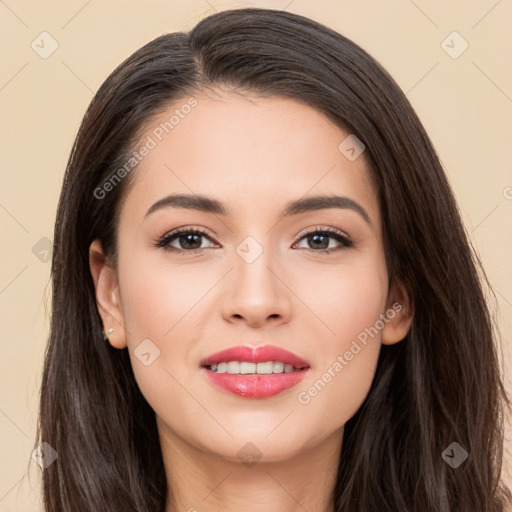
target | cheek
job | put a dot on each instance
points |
(343, 300)
(347, 305)
(158, 296)
(158, 304)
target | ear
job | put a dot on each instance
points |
(107, 295)
(399, 313)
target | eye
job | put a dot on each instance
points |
(320, 240)
(188, 240)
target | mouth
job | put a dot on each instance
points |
(254, 373)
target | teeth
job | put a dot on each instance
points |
(244, 367)
(278, 367)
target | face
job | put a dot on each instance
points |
(251, 276)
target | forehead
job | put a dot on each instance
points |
(252, 153)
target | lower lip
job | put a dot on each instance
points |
(255, 386)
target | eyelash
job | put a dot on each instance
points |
(163, 242)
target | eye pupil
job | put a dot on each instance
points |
(316, 237)
(188, 237)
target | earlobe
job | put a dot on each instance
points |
(399, 314)
(107, 295)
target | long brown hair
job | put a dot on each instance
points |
(441, 384)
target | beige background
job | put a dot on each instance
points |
(464, 103)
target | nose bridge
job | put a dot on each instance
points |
(254, 260)
(257, 290)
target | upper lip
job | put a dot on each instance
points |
(255, 355)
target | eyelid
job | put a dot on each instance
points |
(187, 228)
(327, 229)
(306, 231)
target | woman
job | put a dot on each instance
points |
(328, 349)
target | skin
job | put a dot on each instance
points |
(254, 154)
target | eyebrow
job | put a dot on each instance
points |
(297, 207)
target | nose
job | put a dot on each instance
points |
(258, 293)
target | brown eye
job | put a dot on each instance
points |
(188, 240)
(318, 241)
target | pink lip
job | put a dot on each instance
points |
(257, 355)
(255, 386)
